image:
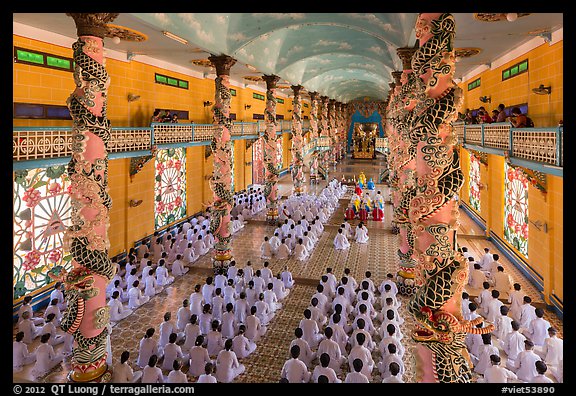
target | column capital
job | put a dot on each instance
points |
(271, 80)
(405, 54)
(397, 76)
(222, 63)
(296, 89)
(92, 24)
(313, 95)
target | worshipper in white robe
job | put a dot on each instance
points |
(176, 376)
(172, 352)
(332, 349)
(167, 327)
(142, 250)
(389, 281)
(486, 350)
(123, 373)
(183, 315)
(241, 309)
(58, 293)
(152, 374)
(117, 310)
(477, 277)
(205, 319)
(356, 376)
(178, 268)
(217, 304)
(227, 365)
(241, 345)
(207, 377)
(147, 347)
(359, 325)
(540, 377)
(237, 225)
(163, 277)
(279, 289)
(20, 354)
(391, 357)
(515, 299)
(552, 352)
(199, 358)
(390, 338)
(209, 240)
(486, 260)
(283, 251)
(527, 313)
(196, 300)
(228, 325)
(493, 306)
(214, 339)
(30, 330)
(340, 241)
(503, 325)
(502, 282)
(152, 287)
(275, 242)
(307, 355)
(190, 255)
(157, 249)
(537, 331)
(300, 251)
(199, 246)
(484, 299)
(53, 308)
(263, 310)
(323, 373)
(310, 329)
(294, 369)
(46, 358)
(254, 327)
(286, 277)
(27, 307)
(122, 295)
(496, 374)
(191, 331)
(524, 364)
(307, 241)
(359, 351)
(513, 344)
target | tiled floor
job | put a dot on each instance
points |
(378, 256)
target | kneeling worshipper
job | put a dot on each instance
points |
(361, 235)
(340, 240)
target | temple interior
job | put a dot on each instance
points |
(128, 126)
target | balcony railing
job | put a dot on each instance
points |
(543, 145)
(33, 144)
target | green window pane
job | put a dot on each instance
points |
(183, 84)
(505, 74)
(523, 66)
(514, 70)
(161, 79)
(30, 57)
(232, 92)
(172, 81)
(58, 62)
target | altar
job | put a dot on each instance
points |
(364, 140)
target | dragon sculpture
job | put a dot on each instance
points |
(441, 271)
(87, 315)
(314, 133)
(271, 149)
(221, 180)
(297, 158)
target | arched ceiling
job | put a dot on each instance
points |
(319, 51)
(344, 56)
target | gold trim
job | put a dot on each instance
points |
(76, 376)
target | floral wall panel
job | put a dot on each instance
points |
(170, 186)
(474, 187)
(516, 209)
(41, 215)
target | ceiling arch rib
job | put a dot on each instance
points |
(331, 83)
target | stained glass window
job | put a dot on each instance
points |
(516, 209)
(170, 186)
(41, 216)
(474, 186)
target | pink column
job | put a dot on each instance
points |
(297, 157)
(270, 149)
(324, 133)
(87, 314)
(333, 130)
(441, 271)
(221, 180)
(314, 134)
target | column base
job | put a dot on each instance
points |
(406, 283)
(100, 375)
(272, 216)
(221, 260)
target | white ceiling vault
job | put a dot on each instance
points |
(345, 56)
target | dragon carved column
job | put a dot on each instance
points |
(314, 134)
(87, 314)
(441, 271)
(324, 134)
(297, 158)
(393, 145)
(411, 93)
(221, 181)
(270, 149)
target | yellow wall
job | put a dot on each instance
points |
(545, 248)
(545, 66)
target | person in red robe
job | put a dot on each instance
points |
(377, 214)
(358, 190)
(363, 214)
(350, 214)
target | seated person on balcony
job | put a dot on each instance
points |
(495, 115)
(501, 114)
(518, 119)
(483, 117)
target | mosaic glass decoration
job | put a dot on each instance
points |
(279, 154)
(42, 213)
(170, 186)
(474, 186)
(232, 188)
(516, 208)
